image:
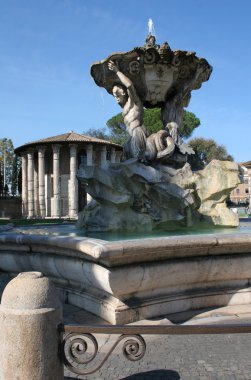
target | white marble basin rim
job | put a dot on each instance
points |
(128, 280)
(123, 252)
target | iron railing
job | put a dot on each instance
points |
(79, 346)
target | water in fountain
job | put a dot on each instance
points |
(151, 29)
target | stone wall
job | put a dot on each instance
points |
(10, 207)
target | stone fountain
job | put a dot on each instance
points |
(126, 281)
(154, 186)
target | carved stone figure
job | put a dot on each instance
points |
(151, 42)
(133, 113)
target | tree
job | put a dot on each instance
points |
(6, 159)
(14, 176)
(190, 122)
(9, 166)
(99, 133)
(205, 151)
(118, 137)
(1, 182)
(152, 121)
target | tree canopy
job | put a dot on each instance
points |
(116, 129)
(10, 165)
(205, 151)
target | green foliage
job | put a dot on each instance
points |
(205, 151)
(9, 166)
(190, 122)
(1, 182)
(116, 123)
(6, 157)
(117, 129)
(152, 121)
(99, 133)
(114, 135)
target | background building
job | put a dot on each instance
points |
(242, 193)
(49, 167)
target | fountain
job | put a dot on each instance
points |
(154, 187)
(128, 280)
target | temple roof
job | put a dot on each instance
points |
(69, 137)
(247, 164)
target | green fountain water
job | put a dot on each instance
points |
(71, 230)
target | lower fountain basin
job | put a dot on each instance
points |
(129, 280)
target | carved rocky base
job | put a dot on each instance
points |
(132, 196)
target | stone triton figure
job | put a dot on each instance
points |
(133, 113)
(157, 146)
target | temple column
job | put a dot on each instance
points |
(36, 205)
(30, 156)
(118, 156)
(88, 198)
(89, 162)
(249, 186)
(113, 156)
(55, 209)
(89, 155)
(41, 181)
(103, 153)
(24, 186)
(73, 183)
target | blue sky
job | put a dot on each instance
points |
(48, 46)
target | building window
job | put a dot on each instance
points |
(237, 191)
(246, 191)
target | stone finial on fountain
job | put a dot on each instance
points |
(151, 42)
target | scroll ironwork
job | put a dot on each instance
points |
(79, 346)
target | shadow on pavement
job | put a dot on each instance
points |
(185, 316)
(160, 374)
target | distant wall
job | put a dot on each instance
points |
(10, 207)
